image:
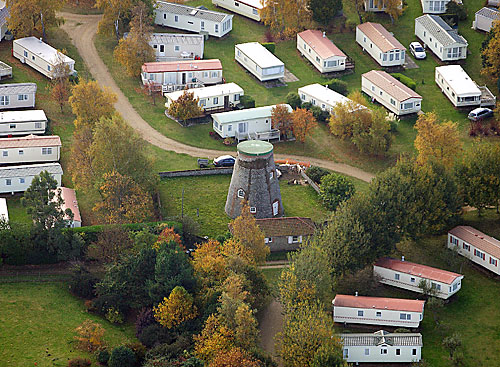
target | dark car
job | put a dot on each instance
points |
(480, 113)
(224, 161)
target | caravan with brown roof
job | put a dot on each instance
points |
(380, 44)
(321, 51)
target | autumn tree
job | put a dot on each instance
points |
(393, 8)
(135, 50)
(281, 119)
(112, 242)
(286, 18)
(185, 107)
(209, 264)
(167, 236)
(214, 339)
(436, 141)
(32, 17)
(175, 309)
(114, 13)
(60, 90)
(89, 336)
(303, 122)
(323, 12)
(491, 52)
(235, 357)
(122, 200)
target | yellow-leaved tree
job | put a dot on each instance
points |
(286, 17)
(209, 264)
(393, 8)
(491, 53)
(114, 12)
(215, 338)
(439, 142)
(175, 309)
(32, 17)
(185, 107)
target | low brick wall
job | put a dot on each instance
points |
(197, 172)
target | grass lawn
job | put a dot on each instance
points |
(38, 322)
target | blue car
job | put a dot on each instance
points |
(224, 161)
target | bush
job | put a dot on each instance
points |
(247, 101)
(82, 283)
(139, 351)
(315, 173)
(335, 189)
(409, 82)
(122, 356)
(270, 46)
(102, 356)
(144, 319)
(154, 335)
(458, 10)
(338, 86)
(307, 105)
(293, 100)
(79, 362)
(319, 114)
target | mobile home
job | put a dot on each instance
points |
(177, 46)
(320, 51)
(22, 122)
(440, 38)
(41, 56)
(435, 6)
(456, 84)
(70, 202)
(407, 275)
(375, 6)
(215, 97)
(30, 149)
(18, 178)
(390, 92)
(394, 312)
(248, 8)
(177, 75)
(484, 19)
(247, 124)
(380, 44)
(478, 247)
(191, 19)
(382, 347)
(259, 61)
(323, 97)
(4, 15)
(4, 211)
(17, 95)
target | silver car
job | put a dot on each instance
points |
(417, 51)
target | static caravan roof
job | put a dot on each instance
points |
(177, 39)
(188, 65)
(321, 44)
(17, 88)
(379, 303)
(257, 4)
(489, 13)
(30, 170)
(22, 116)
(30, 141)
(185, 10)
(384, 40)
(4, 13)
(205, 92)
(391, 85)
(381, 337)
(422, 271)
(4, 212)
(70, 202)
(441, 30)
(42, 49)
(459, 80)
(478, 239)
(246, 114)
(259, 54)
(324, 93)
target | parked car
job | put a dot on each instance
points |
(417, 50)
(480, 113)
(224, 161)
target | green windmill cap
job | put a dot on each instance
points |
(255, 147)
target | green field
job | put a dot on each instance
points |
(38, 322)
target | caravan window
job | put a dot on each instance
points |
(176, 18)
(254, 11)
(216, 28)
(46, 151)
(237, 97)
(216, 100)
(21, 180)
(177, 48)
(38, 125)
(162, 48)
(5, 153)
(22, 97)
(4, 100)
(25, 53)
(8, 182)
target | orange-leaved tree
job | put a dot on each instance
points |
(235, 357)
(89, 336)
(185, 107)
(281, 119)
(303, 122)
(175, 309)
(168, 235)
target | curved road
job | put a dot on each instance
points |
(82, 30)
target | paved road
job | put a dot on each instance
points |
(82, 30)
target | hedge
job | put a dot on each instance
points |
(409, 82)
(271, 46)
(338, 86)
(247, 101)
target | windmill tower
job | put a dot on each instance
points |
(255, 180)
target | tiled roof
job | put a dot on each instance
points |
(30, 170)
(286, 226)
(390, 85)
(69, 197)
(188, 65)
(380, 36)
(30, 141)
(17, 88)
(489, 13)
(379, 303)
(185, 10)
(441, 30)
(478, 239)
(381, 337)
(422, 271)
(322, 45)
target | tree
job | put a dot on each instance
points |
(329, 355)
(114, 12)
(44, 202)
(32, 17)
(123, 201)
(215, 338)
(122, 356)
(394, 8)
(374, 138)
(433, 304)
(89, 336)
(168, 236)
(491, 53)
(303, 122)
(323, 12)
(452, 343)
(135, 50)
(436, 141)
(334, 189)
(235, 357)
(281, 119)
(286, 18)
(60, 89)
(293, 99)
(209, 264)
(175, 309)
(185, 107)
(81, 162)
(111, 243)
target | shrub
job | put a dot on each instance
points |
(459, 10)
(144, 319)
(293, 100)
(270, 46)
(154, 335)
(409, 82)
(89, 336)
(247, 101)
(338, 86)
(319, 114)
(82, 283)
(307, 105)
(351, 24)
(114, 316)
(315, 173)
(79, 362)
(335, 189)
(122, 356)
(102, 356)
(139, 351)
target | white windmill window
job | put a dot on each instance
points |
(241, 193)
(253, 210)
